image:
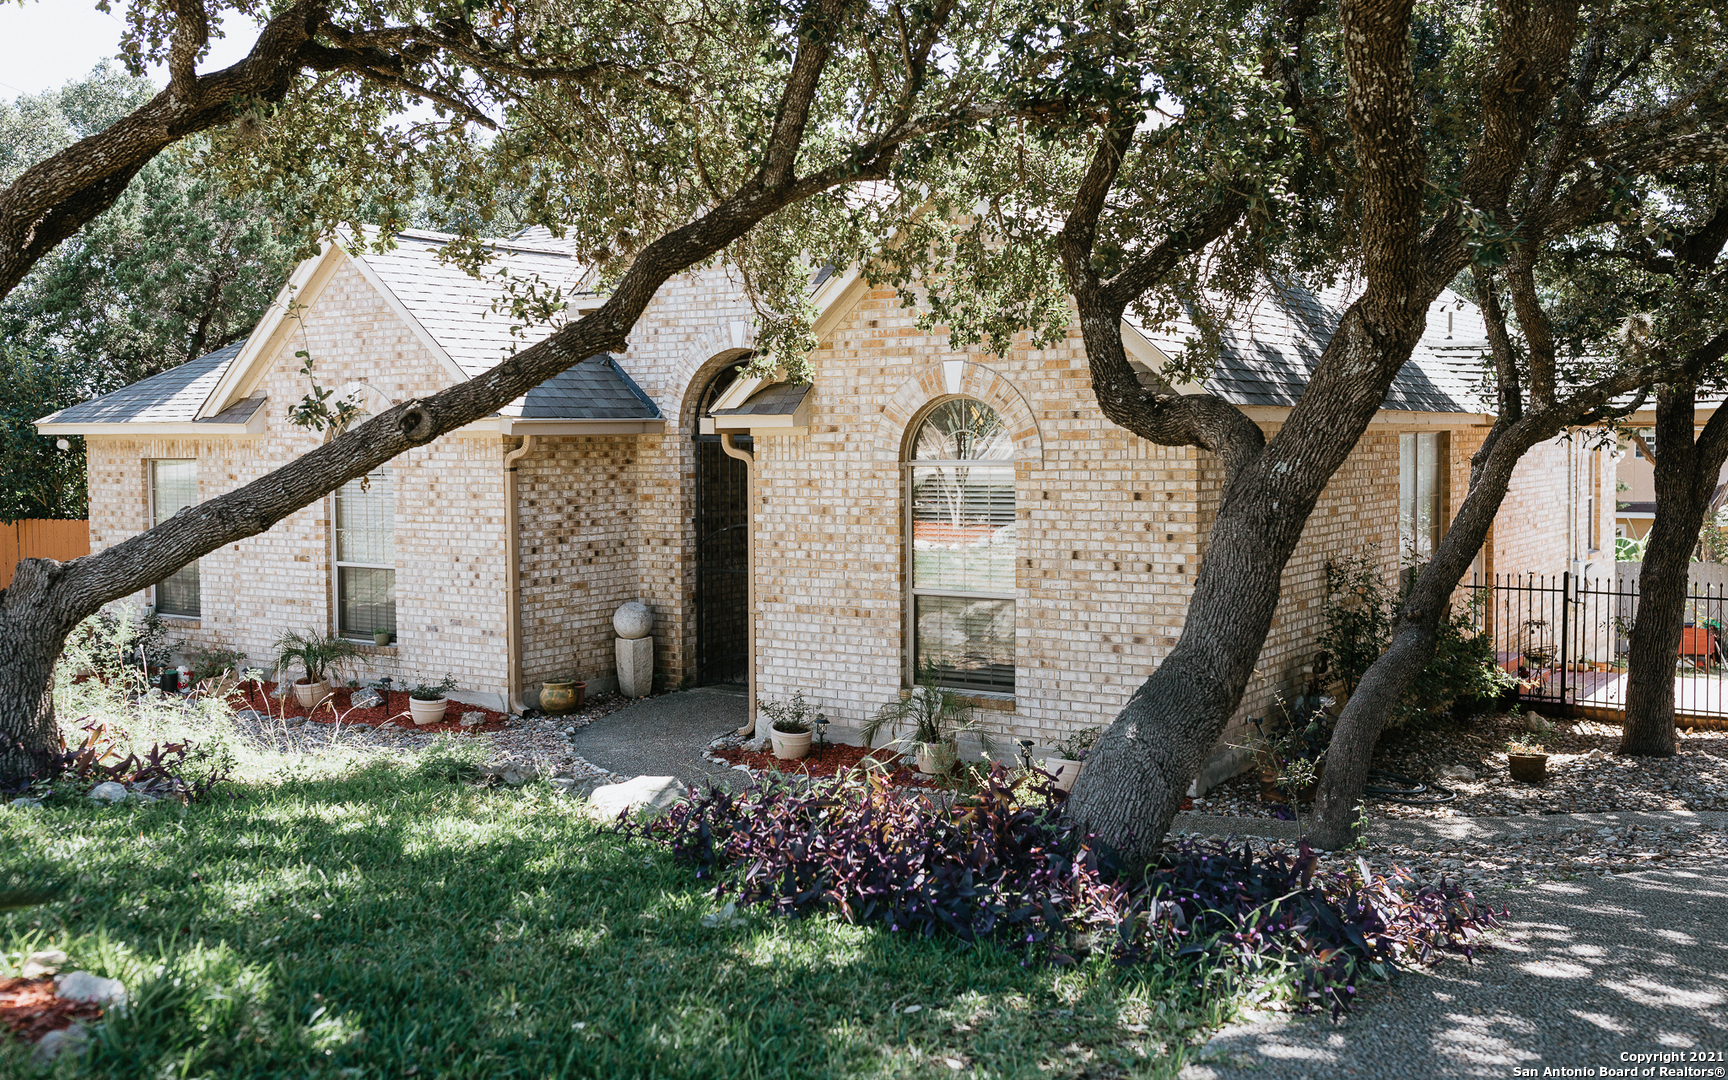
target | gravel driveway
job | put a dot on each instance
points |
(1589, 972)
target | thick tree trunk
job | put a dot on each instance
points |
(1684, 484)
(29, 737)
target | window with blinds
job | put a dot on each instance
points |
(365, 517)
(960, 519)
(173, 487)
(1421, 487)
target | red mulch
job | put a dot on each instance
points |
(395, 708)
(29, 1009)
(826, 761)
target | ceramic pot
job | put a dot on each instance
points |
(789, 745)
(937, 759)
(1066, 771)
(311, 694)
(427, 712)
(1529, 768)
(558, 698)
(380, 638)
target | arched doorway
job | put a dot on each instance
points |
(722, 551)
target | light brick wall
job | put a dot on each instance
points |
(1543, 526)
(449, 509)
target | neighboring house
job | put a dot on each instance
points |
(914, 505)
(1637, 503)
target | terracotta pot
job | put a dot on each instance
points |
(311, 694)
(562, 697)
(936, 759)
(1067, 770)
(427, 712)
(789, 745)
(1529, 768)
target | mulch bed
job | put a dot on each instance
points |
(29, 1009)
(827, 761)
(337, 709)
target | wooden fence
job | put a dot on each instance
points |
(40, 539)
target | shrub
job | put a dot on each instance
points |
(1007, 870)
(1361, 607)
(185, 770)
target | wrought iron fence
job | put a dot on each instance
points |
(1566, 640)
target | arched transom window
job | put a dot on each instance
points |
(960, 513)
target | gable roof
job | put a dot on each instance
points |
(447, 309)
(1271, 347)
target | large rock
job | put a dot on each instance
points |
(109, 792)
(85, 986)
(55, 1043)
(635, 666)
(45, 962)
(366, 699)
(654, 792)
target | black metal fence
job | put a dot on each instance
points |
(1566, 640)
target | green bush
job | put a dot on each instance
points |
(1361, 606)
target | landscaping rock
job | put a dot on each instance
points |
(45, 962)
(251, 714)
(473, 719)
(513, 773)
(1457, 772)
(55, 1043)
(25, 803)
(654, 792)
(366, 699)
(85, 986)
(109, 792)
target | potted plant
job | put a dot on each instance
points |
(937, 717)
(561, 696)
(380, 638)
(1527, 759)
(427, 701)
(790, 725)
(318, 656)
(1071, 755)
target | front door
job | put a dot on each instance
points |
(722, 564)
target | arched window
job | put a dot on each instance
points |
(960, 514)
(365, 543)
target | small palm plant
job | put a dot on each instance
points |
(317, 654)
(936, 717)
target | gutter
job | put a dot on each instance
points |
(513, 581)
(749, 461)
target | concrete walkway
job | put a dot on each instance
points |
(1587, 971)
(664, 735)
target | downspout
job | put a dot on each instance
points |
(513, 581)
(749, 461)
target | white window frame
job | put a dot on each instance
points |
(150, 487)
(337, 565)
(1411, 513)
(908, 465)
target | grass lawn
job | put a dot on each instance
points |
(379, 923)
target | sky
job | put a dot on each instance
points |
(44, 45)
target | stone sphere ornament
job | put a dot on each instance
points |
(633, 620)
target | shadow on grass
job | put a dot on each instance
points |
(383, 925)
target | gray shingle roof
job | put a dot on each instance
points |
(172, 397)
(595, 389)
(1275, 340)
(778, 399)
(455, 308)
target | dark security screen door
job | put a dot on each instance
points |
(722, 566)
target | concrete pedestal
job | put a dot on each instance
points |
(635, 666)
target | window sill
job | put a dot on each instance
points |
(978, 699)
(367, 648)
(187, 622)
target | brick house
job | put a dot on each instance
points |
(914, 505)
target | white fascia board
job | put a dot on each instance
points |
(1385, 418)
(306, 281)
(740, 391)
(510, 425)
(1136, 345)
(139, 429)
(835, 299)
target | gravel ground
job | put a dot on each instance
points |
(1584, 774)
(1588, 975)
(543, 743)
